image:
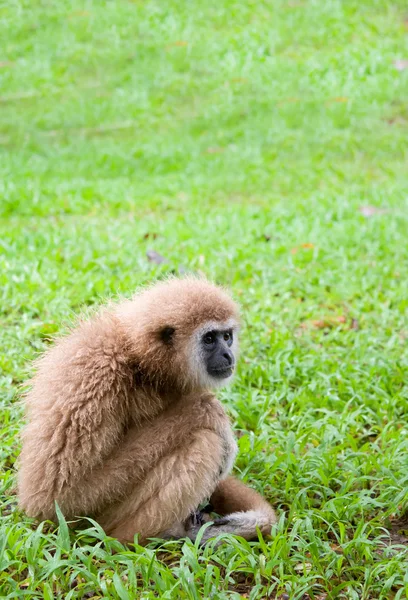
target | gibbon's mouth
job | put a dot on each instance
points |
(221, 373)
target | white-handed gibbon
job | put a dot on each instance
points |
(123, 426)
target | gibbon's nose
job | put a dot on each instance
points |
(229, 358)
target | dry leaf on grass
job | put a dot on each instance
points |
(305, 246)
(215, 150)
(155, 257)
(369, 211)
(324, 322)
(178, 43)
(338, 99)
(328, 322)
(337, 549)
(401, 64)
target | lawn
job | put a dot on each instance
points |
(265, 145)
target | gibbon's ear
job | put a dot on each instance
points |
(166, 335)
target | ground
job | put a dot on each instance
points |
(265, 145)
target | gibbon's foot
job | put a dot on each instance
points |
(244, 524)
(196, 519)
(181, 530)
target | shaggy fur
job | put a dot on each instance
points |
(122, 427)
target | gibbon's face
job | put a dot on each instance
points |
(214, 352)
(219, 359)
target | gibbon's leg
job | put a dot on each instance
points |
(245, 511)
(170, 492)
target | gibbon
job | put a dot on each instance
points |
(123, 425)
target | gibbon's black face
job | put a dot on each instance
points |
(218, 357)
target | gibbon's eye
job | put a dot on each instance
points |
(209, 338)
(228, 337)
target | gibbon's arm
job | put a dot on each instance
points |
(146, 446)
(169, 493)
(77, 409)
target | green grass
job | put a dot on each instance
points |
(240, 139)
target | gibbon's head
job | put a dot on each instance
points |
(183, 333)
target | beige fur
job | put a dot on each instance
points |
(122, 426)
